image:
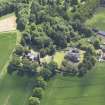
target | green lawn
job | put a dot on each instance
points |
(59, 57)
(13, 90)
(7, 43)
(98, 20)
(88, 90)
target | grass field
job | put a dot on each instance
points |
(13, 90)
(7, 43)
(59, 57)
(98, 20)
(88, 90)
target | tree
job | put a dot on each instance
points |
(19, 50)
(59, 39)
(21, 24)
(86, 31)
(14, 65)
(96, 44)
(52, 66)
(32, 18)
(26, 38)
(82, 71)
(39, 82)
(38, 92)
(87, 10)
(6, 7)
(34, 66)
(51, 49)
(43, 52)
(29, 67)
(40, 38)
(46, 73)
(73, 2)
(35, 8)
(77, 23)
(69, 68)
(34, 101)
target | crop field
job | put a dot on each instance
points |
(8, 23)
(88, 90)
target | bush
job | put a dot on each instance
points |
(19, 50)
(37, 92)
(39, 82)
(34, 101)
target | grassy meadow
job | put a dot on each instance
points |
(88, 90)
(59, 57)
(98, 19)
(13, 90)
(7, 43)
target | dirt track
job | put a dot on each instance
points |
(8, 24)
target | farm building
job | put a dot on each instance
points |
(102, 57)
(94, 30)
(102, 2)
(32, 56)
(102, 48)
(102, 33)
(101, 53)
(73, 55)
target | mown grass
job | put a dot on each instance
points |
(59, 57)
(14, 90)
(87, 90)
(7, 43)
